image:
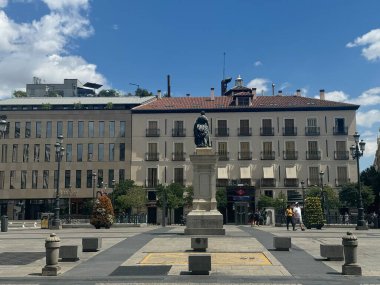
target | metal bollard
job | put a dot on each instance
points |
(4, 223)
(350, 246)
(52, 245)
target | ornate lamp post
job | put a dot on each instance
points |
(357, 151)
(303, 192)
(323, 197)
(59, 150)
(113, 194)
(93, 187)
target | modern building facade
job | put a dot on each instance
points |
(97, 139)
(266, 145)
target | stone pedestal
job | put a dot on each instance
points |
(204, 219)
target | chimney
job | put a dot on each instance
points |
(279, 93)
(212, 94)
(187, 94)
(254, 93)
(158, 94)
(169, 86)
(298, 94)
(322, 94)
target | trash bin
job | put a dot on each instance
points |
(45, 217)
(4, 223)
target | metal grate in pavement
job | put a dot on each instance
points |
(141, 270)
(20, 258)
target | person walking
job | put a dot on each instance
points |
(289, 217)
(297, 216)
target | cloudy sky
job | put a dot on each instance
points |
(295, 44)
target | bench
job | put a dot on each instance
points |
(199, 243)
(68, 253)
(332, 251)
(91, 244)
(200, 264)
(282, 243)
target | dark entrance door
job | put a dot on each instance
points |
(152, 215)
(241, 213)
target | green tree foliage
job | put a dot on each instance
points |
(188, 196)
(102, 212)
(120, 189)
(265, 201)
(174, 194)
(280, 203)
(108, 93)
(221, 197)
(142, 92)
(313, 215)
(19, 93)
(349, 195)
(135, 198)
(371, 177)
(332, 199)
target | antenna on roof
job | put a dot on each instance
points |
(224, 64)
(273, 88)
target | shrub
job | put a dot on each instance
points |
(102, 212)
(313, 217)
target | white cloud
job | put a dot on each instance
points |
(337, 96)
(285, 85)
(3, 3)
(368, 97)
(41, 48)
(368, 118)
(260, 84)
(115, 27)
(370, 147)
(371, 41)
(258, 63)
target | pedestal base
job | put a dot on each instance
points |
(352, 269)
(204, 223)
(51, 270)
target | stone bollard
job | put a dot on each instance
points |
(350, 246)
(52, 245)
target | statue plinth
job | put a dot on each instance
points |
(204, 219)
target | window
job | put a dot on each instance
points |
(245, 153)
(342, 175)
(100, 177)
(267, 152)
(179, 176)
(45, 184)
(38, 129)
(34, 179)
(152, 154)
(101, 129)
(112, 129)
(152, 130)
(290, 150)
(313, 175)
(78, 179)
(17, 130)
(222, 130)
(122, 129)
(178, 154)
(36, 156)
(70, 129)
(111, 176)
(89, 179)
(267, 129)
(90, 152)
(48, 129)
(290, 129)
(121, 175)
(111, 152)
(67, 178)
(69, 152)
(100, 152)
(122, 152)
(312, 129)
(178, 130)
(4, 153)
(28, 129)
(14, 153)
(12, 177)
(243, 101)
(222, 151)
(340, 128)
(59, 128)
(341, 152)
(2, 173)
(25, 153)
(23, 179)
(79, 152)
(91, 129)
(313, 152)
(244, 129)
(152, 180)
(80, 129)
(47, 152)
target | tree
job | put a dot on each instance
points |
(135, 198)
(371, 177)
(108, 93)
(221, 197)
(188, 196)
(313, 217)
(142, 92)
(120, 189)
(349, 195)
(19, 93)
(102, 213)
(331, 197)
(265, 201)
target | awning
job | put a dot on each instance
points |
(245, 172)
(222, 173)
(291, 172)
(268, 172)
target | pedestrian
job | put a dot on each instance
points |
(346, 218)
(289, 217)
(256, 217)
(297, 215)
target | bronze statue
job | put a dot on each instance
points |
(201, 131)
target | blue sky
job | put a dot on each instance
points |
(296, 44)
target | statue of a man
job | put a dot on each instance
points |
(201, 131)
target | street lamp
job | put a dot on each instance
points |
(93, 187)
(357, 151)
(113, 194)
(59, 150)
(303, 192)
(324, 198)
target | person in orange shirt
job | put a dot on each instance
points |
(289, 217)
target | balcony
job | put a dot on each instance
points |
(291, 182)
(152, 156)
(290, 155)
(178, 156)
(268, 155)
(244, 132)
(341, 155)
(222, 132)
(268, 182)
(245, 155)
(178, 132)
(289, 131)
(152, 132)
(151, 183)
(312, 131)
(266, 131)
(313, 155)
(340, 131)
(223, 156)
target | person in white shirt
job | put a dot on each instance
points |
(297, 215)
